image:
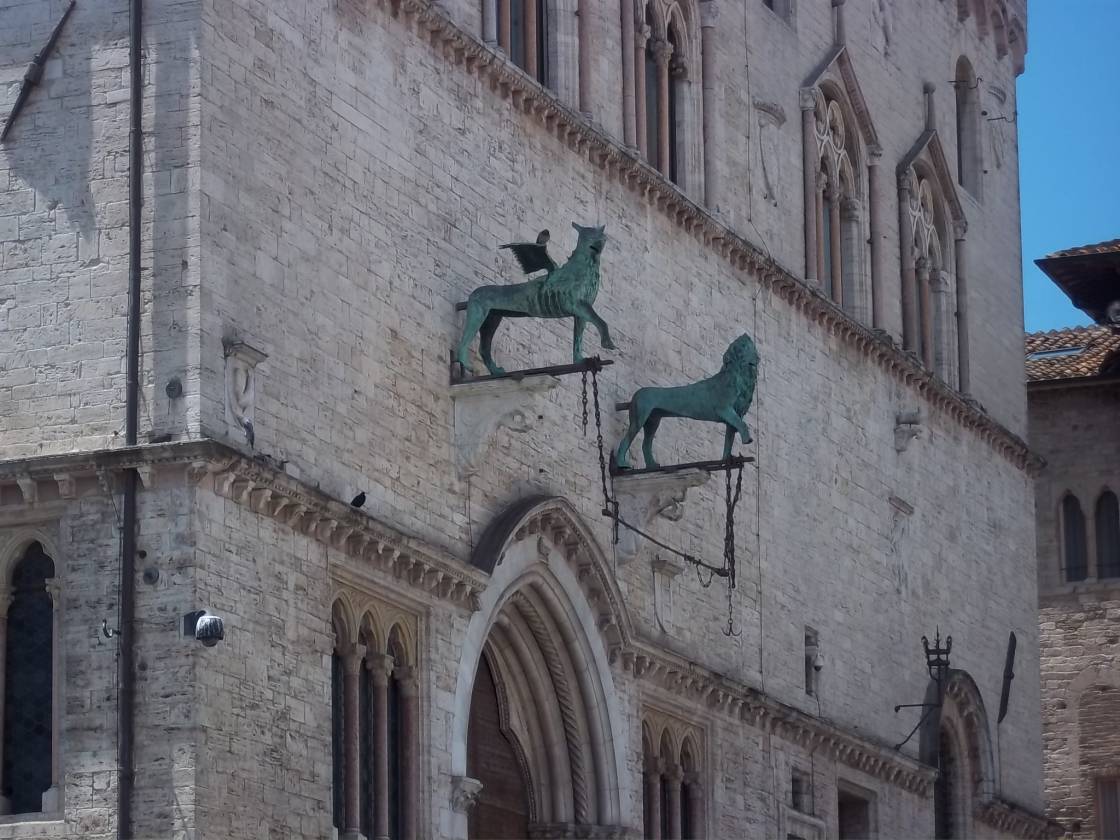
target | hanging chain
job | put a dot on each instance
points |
(729, 546)
(583, 376)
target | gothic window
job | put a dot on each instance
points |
(969, 161)
(673, 787)
(523, 32)
(30, 690)
(854, 815)
(1074, 556)
(373, 772)
(665, 110)
(1108, 535)
(840, 262)
(933, 334)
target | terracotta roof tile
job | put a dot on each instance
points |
(1112, 246)
(1071, 353)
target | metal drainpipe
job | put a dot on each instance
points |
(125, 663)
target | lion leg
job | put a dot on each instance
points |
(728, 441)
(485, 339)
(622, 453)
(578, 326)
(649, 430)
(476, 316)
(735, 422)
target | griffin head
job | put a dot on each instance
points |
(592, 237)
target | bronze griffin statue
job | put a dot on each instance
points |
(566, 291)
(723, 398)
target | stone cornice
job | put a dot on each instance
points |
(272, 493)
(581, 136)
(1016, 820)
(722, 695)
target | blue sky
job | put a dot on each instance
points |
(1069, 127)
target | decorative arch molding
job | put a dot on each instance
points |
(15, 541)
(549, 623)
(837, 67)
(1100, 674)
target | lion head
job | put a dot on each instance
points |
(741, 359)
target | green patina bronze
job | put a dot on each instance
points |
(567, 291)
(723, 398)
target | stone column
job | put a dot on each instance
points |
(836, 245)
(964, 378)
(663, 52)
(809, 177)
(709, 15)
(352, 669)
(875, 221)
(821, 186)
(52, 797)
(410, 754)
(851, 261)
(675, 778)
(910, 338)
(380, 667)
(585, 34)
(640, 41)
(926, 306)
(490, 22)
(5, 602)
(532, 62)
(695, 793)
(652, 775)
(505, 26)
(629, 108)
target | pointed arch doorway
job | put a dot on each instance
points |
(535, 707)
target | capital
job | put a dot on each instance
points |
(352, 660)
(709, 13)
(380, 667)
(409, 682)
(807, 99)
(662, 51)
(960, 228)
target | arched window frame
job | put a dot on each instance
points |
(1072, 543)
(970, 155)
(1107, 531)
(668, 99)
(12, 552)
(841, 204)
(382, 665)
(674, 798)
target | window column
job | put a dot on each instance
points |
(709, 16)
(663, 52)
(910, 333)
(874, 218)
(652, 773)
(641, 41)
(410, 745)
(925, 304)
(809, 178)
(629, 107)
(381, 666)
(675, 777)
(52, 797)
(352, 669)
(695, 830)
(964, 379)
(5, 602)
(490, 22)
(505, 26)
(820, 215)
(836, 244)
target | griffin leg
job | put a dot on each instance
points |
(589, 314)
(578, 326)
(649, 430)
(476, 316)
(485, 339)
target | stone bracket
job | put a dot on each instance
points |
(643, 498)
(482, 408)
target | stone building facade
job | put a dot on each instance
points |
(470, 652)
(1073, 396)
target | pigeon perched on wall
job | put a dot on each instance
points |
(542, 237)
(358, 500)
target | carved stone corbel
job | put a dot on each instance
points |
(241, 386)
(908, 425)
(481, 408)
(642, 498)
(464, 793)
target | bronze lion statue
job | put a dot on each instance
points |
(723, 398)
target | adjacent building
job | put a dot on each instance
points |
(1074, 402)
(428, 626)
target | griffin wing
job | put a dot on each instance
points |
(532, 257)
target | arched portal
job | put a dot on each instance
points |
(535, 707)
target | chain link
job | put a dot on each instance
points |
(583, 377)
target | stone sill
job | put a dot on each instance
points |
(1083, 591)
(18, 826)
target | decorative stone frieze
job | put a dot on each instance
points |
(1008, 818)
(627, 168)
